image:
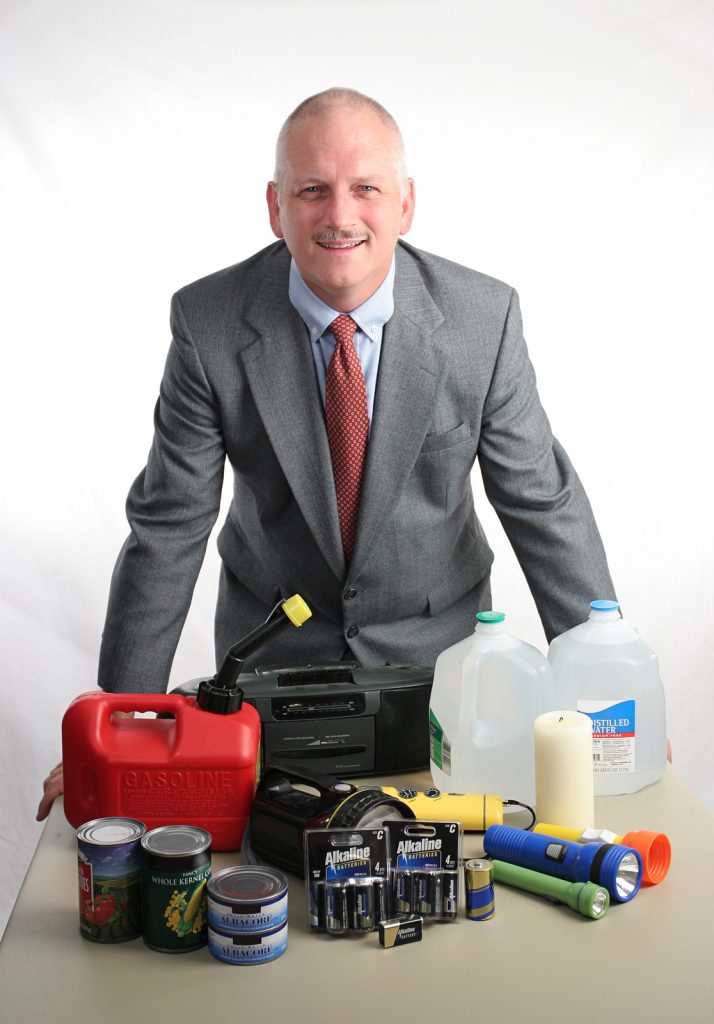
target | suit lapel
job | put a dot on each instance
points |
(280, 369)
(281, 373)
(409, 374)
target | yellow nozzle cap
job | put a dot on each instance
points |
(296, 610)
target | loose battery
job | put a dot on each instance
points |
(480, 903)
(400, 931)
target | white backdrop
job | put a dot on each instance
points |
(563, 146)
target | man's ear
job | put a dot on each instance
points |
(271, 196)
(408, 203)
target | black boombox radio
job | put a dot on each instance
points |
(340, 718)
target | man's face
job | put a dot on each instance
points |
(340, 208)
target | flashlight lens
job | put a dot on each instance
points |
(628, 876)
(600, 903)
(374, 816)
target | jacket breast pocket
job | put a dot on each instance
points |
(443, 467)
(443, 442)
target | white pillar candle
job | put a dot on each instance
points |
(564, 769)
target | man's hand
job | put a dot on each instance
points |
(53, 786)
(54, 783)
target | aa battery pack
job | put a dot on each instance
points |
(424, 868)
(347, 879)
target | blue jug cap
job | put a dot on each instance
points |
(605, 606)
(490, 616)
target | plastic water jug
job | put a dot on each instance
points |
(605, 670)
(195, 768)
(488, 690)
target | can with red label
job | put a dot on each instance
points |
(109, 876)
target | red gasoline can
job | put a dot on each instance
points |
(196, 768)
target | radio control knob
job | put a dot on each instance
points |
(432, 793)
(408, 793)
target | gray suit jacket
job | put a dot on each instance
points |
(455, 384)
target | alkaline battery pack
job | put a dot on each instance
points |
(424, 868)
(347, 879)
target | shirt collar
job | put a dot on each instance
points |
(370, 317)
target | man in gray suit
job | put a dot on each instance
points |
(447, 379)
(444, 379)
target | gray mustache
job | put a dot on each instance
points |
(338, 236)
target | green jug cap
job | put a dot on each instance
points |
(490, 616)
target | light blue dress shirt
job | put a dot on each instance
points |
(370, 318)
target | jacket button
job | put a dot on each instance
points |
(349, 594)
(352, 631)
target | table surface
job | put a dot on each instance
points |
(649, 960)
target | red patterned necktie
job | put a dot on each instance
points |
(347, 426)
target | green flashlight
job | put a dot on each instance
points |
(588, 899)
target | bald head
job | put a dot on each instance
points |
(321, 105)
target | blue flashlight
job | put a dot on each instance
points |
(617, 868)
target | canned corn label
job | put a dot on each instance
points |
(174, 904)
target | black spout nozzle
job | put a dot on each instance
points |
(222, 695)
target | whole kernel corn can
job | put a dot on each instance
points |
(176, 866)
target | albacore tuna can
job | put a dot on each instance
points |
(176, 868)
(247, 898)
(248, 947)
(109, 876)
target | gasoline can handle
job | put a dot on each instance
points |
(161, 703)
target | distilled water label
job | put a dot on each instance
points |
(613, 730)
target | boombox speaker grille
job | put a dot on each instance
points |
(402, 729)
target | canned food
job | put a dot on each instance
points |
(109, 876)
(176, 868)
(247, 898)
(248, 947)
